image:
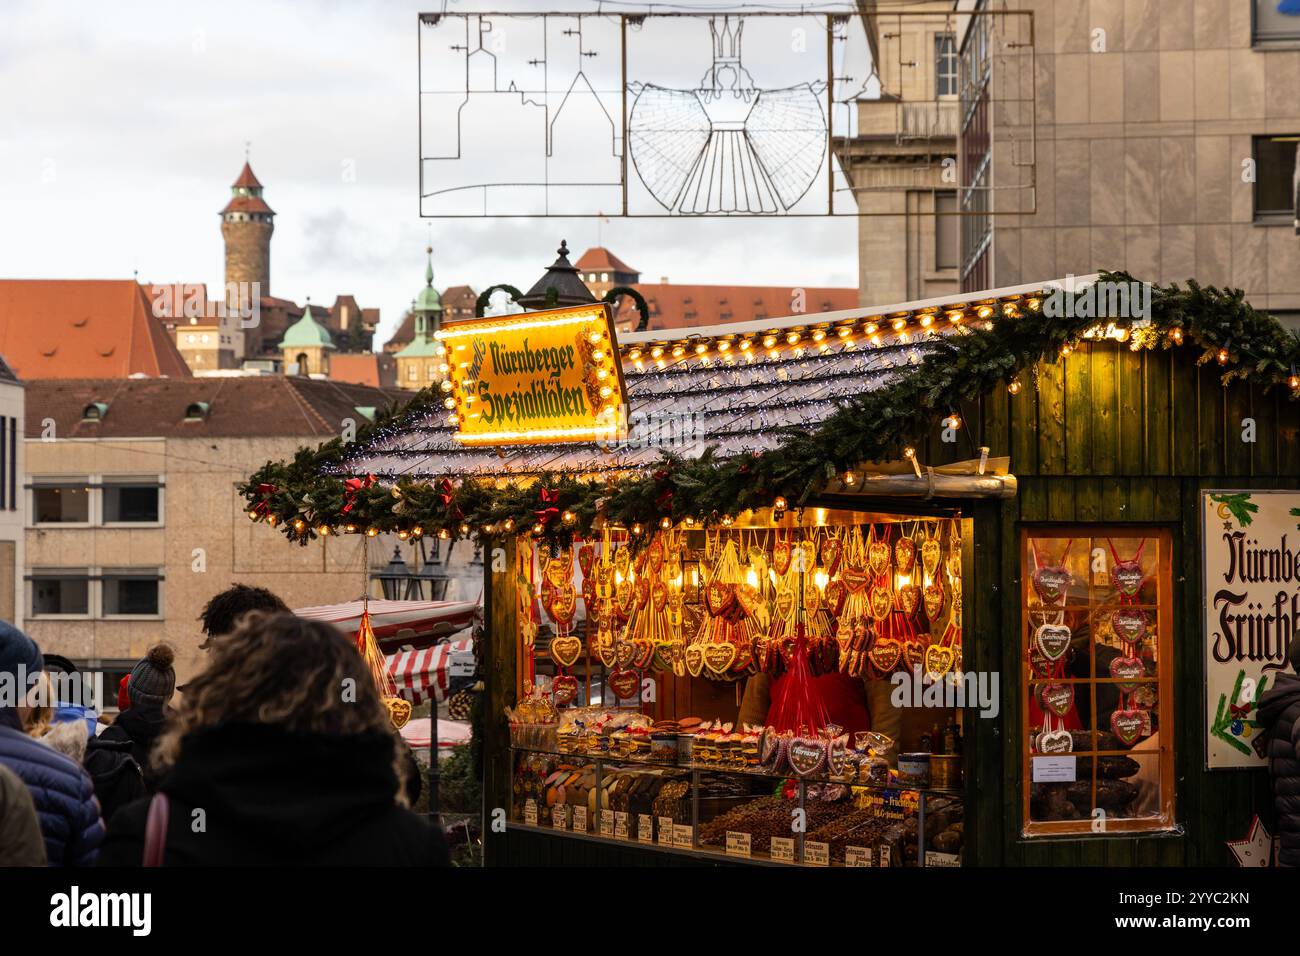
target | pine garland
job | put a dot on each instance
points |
(302, 500)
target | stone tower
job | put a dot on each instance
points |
(246, 225)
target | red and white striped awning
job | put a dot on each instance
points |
(398, 623)
(415, 672)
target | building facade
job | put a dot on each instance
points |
(12, 498)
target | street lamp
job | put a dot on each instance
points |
(394, 574)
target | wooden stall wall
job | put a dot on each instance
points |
(1112, 436)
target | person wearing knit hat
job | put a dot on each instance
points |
(119, 758)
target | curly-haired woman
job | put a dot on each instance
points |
(280, 753)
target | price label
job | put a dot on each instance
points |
(645, 828)
(621, 830)
(884, 854)
(665, 831)
(683, 836)
(580, 819)
(935, 858)
(530, 812)
(857, 856)
(738, 844)
(607, 824)
(560, 816)
(816, 854)
(783, 849)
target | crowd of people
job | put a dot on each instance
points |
(279, 751)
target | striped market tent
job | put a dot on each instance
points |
(419, 673)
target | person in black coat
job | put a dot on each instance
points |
(1279, 713)
(280, 753)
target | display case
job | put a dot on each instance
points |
(736, 812)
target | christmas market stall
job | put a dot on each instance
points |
(934, 584)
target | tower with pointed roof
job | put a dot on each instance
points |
(246, 225)
(306, 347)
(419, 364)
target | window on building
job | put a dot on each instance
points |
(945, 64)
(62, 502)
(60, 592)
(130, 502)
(947, 228)
(302, 363)
(431, 372)
(1275, 22)
(1097, 677)
(412, 373)
(1275, 177)
(131, 593)
(604, 277)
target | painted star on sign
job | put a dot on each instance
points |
(1254, 850)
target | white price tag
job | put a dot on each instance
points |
(580, 819)
(530, 812)
(857, 856)
(665, 831)
(816, 854)
(935, 858)
(645, 828)
(783, 849)
(738, 844)
(683, 836)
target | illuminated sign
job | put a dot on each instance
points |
(536, 377)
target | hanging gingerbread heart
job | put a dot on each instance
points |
(566, 650)
(719, 597)
(1056, 698)
(904, 555)
(1129, 624)
(622, 562)
(909, 598)
(642, 590)
(564, 602)
(693, 658)
(607, 654)
(1054, 742)
(772, 748)
(719, 657)
(1127, 577)
(1052, 640)
(589, 597)
(832, 552)
(954, 564)
(932, 595)
(564, 689)
(914, 653)
(855, 579)
(1128, 725)
(781, 556)
(659, 595)
(885, 654)
(1051, 583)
(586, 557)
(878, 557)
(938, 660)
(624, 683)
(643, 652)
(844, 635)
(784, 602)
(836, 592)
(806, 755)
(1126, 670)
(625, 599)
(882, 602)
(748, 600)
(665, 652)
(930, 551)
(558, 570)
(655, 557)
(624, 652)
(812, 599)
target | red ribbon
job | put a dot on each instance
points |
(447, 489)
(352, 487)
(263, 506)
(1240, 710)
(548, 497)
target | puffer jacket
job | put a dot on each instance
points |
(1279, 713)
(62, 791)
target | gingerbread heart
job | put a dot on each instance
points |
(909, 598)
(748, 599)
(781, 557)
(1054, 742)
(607, 655)
(624, 598)
(1056, 698)
(1129, 624)
(806, 755)
(719, 597)
(719, 657)
(664, 656)
(954, 563)
(1129, 725)
(1127, 577)
(882, 602)
(904, 555)
(772, 747)
(399, 711)
(930, 550)
(914, 653)
(659, 595)
(832, 552)
(566, 650)
(1052, 640)
(558, 571)
(564, 689)
(622, 562)
(656, 557)
(844, 635)
(932, 595)
(643, 651)
(835, 595)
(642, 591)
(878, 557)
(939, 660)
(586, 557)
(624, 683)
(564, 601)
(1126, 670)
(693, 658)
(1051, 582)
(840, 759)
(885, 654)
(812, 599)
(784, 603)
(624, 652)
(855, 579)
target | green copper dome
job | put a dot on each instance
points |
(428, 300)
(306, 332)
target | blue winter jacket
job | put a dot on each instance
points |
(62, 791)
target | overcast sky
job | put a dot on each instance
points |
(124, 124)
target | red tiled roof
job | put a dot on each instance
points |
(247, 204)
(246, 178)
(74, 328)
(598, 258)
(375, 369)
(254, 406)
(682, 306)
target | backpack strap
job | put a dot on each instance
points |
(155, 829)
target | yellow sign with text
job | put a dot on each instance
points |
(536, 377)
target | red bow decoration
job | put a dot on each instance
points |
(263, 506)
(447, 489)
(548, 497)
(1241, 710)
(352, 487)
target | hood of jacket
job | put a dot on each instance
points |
(1283, 694)
(141, 724)
(298, 791)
